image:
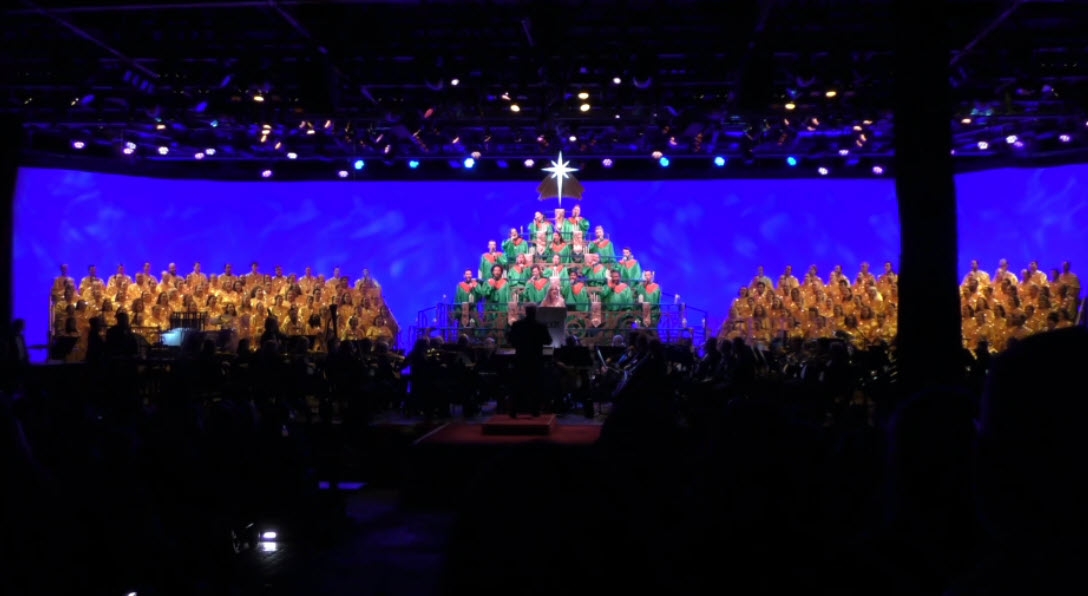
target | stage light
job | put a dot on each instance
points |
(266, 174)
(878, 170)
(584, 107)
(258, 98)
(214, 123)
(130, 145)
(359, 164)
(616, 80)
(311, 132)
(664, 161)
(455, 81)
(965, 121)
(656, 154)
(278, 145)
(342, 173)
(823, 171)
(328, 124)
(1064, 138)
(268, 547)
(983, 145)
(198, 156)
(292, 155)
(583, 95)
(844, 152)
(268, 536)
(529, 163)
(413, 163)
(160, 127)
(209, 151)
(515, 107)
(1011, 139)
(470, 163)
(164, 150)
(831, 93)
(78, 144)
(1018, 144)
(857, 128)
(606, 162)
(128, 150)
(572, 139)
(791, 161)
(475, 155)
(719, 161)
(791, 106)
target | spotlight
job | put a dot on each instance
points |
(413, 163)
(791, 161)
(475, 155)
(164, 150)
(1064, 138)
(606, 162)
(983, 145)
(831, 93)
(160, 127)
(719, 161)
(268, 536)
(583, 95)
(130, 145)
(78, 144)
(791, 106)
(616, 80)
(215, 123)
(266, 174)
(584, 107)
(844, 152)
(209, 151)
(359, 164)
(258, 98)
(822, 170)
(664, 161)
(1018, 144)
(515, 107)
(878, 170)
(311, 132)
(128, 150)
(1011, 139)
(292, 155)
(268, 547)
(529, 163)
(470, 162)
(455, 81)
(573, 139)
(342, 173)
(965, 121)
(198, 156)
(656, 154)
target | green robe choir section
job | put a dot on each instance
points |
(497, 294)
(580, 223)
(630, 271)
(518, 275)
(606, 249)
(489, 260)
(536, 290)
(466, 292)
(512, 247)
(566, 229)
(596, 275)
(576, 295)
(616, 296)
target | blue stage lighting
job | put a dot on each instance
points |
(470, 163)
(664, 161)
(719, 161)
(791, 161)
(359, 164)
(413, 163)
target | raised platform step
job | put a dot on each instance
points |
(502, 424)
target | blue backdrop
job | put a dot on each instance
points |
(703, 237)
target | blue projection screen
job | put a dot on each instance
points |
(703, 237)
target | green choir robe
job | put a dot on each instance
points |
(580, 223)
(576, 295)
(630, 271)
(487, 261)
(514, 247)
(566, 228)
(651, 292)
(605, 248)
(536, 290)
(497, 294)
(560, 272)
(534, 229)
(465, 290)
(596, 275)
(616, 296)
(519, 277)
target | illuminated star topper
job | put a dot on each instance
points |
(554, 186)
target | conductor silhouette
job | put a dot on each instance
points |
(528, 337)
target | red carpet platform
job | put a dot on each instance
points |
(502, 424)
(459, 433)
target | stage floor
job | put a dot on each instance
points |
(464, 433)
